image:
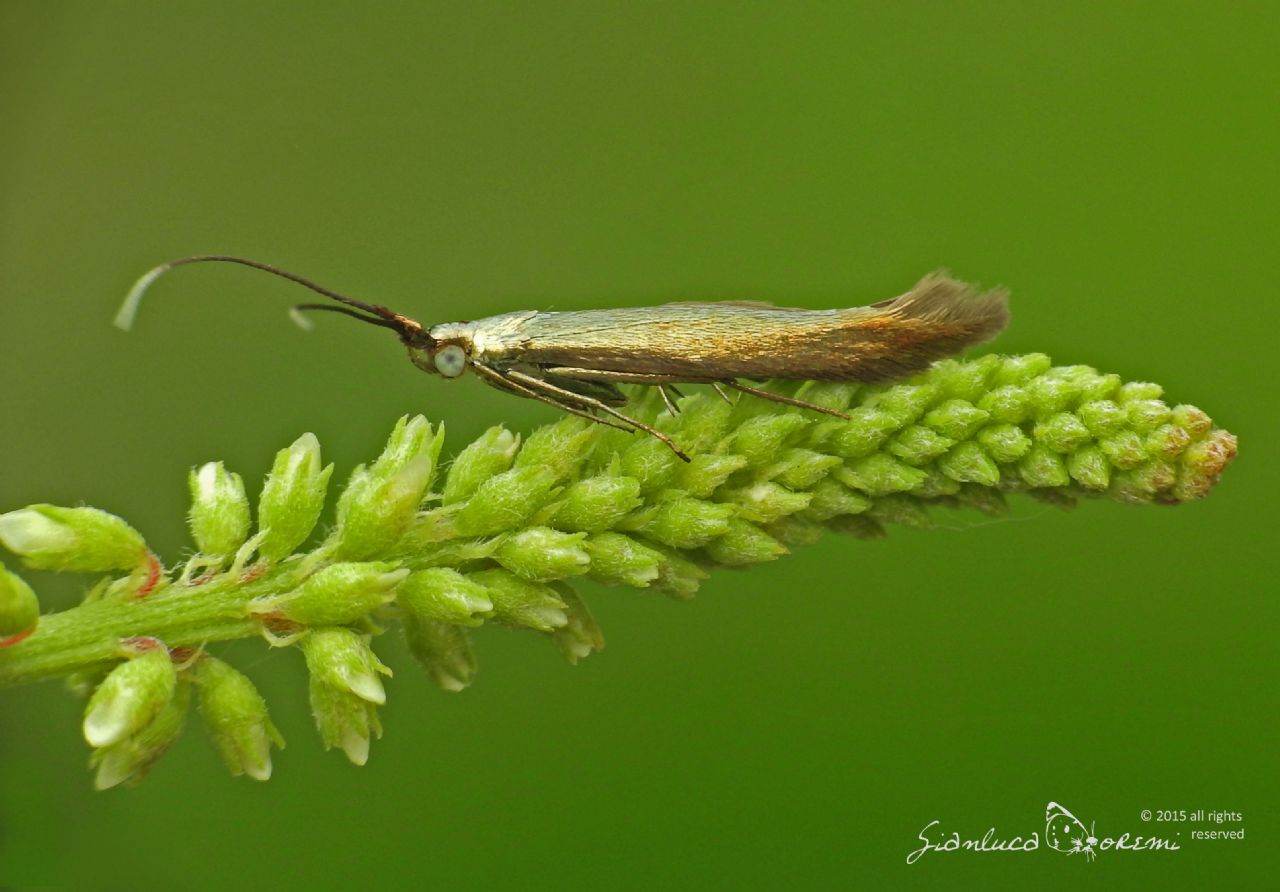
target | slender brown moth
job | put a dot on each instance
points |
(575, 360)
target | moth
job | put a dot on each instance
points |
(576, 360)
(1063, 832)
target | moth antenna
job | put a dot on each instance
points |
(296, 311)
(129, 308)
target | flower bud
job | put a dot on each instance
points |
(580, 636)
(957, 419)
(522, 602)
(80, 540)
(292, 498)
(1042, 467)
(505, 501)
(237, 719)
(1063, 432)
(19, 609)
(762, 438)
(651, 462)
(1020, 369)
(129, 759)
(597, 503)
(491, 454)
(919, 445)
(343, 659)
(1089, 468)
(964, 381)
(879, 474)
(380, 502)
(678, 576)
(440, 594)
(708, 471)
(1125, 450)
(621, 560)
(338, 594)
(744, 543)
(794, 531)
(219, 516)
(832, 498)
(442, 649)
(344, 720)
(1009, 404)
(560, 447)
(863, 433)
(1004, 442)
(131, 695)
(967, 463)
(902, 510)
(800, 469)
(703, 422)
(905, 403)
(683, 522)
(767, 501)
(543, 554)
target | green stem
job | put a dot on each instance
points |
(180, 616)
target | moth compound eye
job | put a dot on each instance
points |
(451, 361)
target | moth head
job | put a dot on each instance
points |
(447, 358)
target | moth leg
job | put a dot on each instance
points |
(719, 388)
(533, 382)
(494, 378)
(564, 371)
(667, 401)
(788, 400)
(605, 391)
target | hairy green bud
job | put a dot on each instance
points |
(441, 594)
(131, 695)
(292, 498)
(19, 609)
(522, 602)
(540, 553)
(340, 593)
(128, 759)
(443, 650)
(237, 719)
(219, 515)
(491, 454)
(79, 540)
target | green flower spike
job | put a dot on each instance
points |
(515, 523)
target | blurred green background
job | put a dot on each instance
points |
(798, 724)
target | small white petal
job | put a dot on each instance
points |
(107, 723)
(355, 745)
(367, 686)
(26, 530)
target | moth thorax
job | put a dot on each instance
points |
(450, 360)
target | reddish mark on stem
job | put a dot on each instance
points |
(153, 576)
(140, 644)
(14, 639)
(182, 655)
(253, 572)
